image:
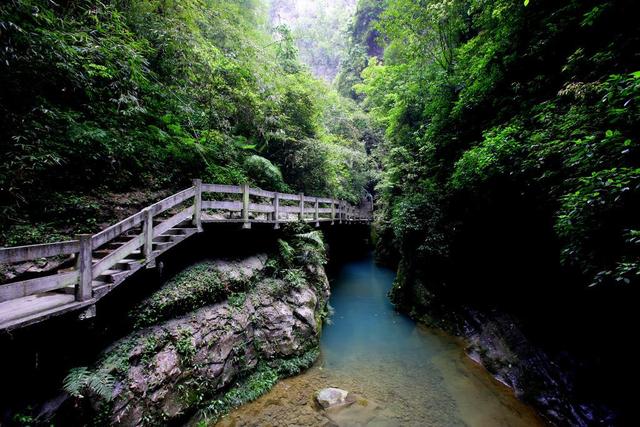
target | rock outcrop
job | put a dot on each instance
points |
(164, 372)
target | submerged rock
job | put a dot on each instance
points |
(333, 397)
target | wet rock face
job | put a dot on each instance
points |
(497, 342)
(172, 364)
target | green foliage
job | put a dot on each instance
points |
(265, 174)
(184, 345)
(497, 152)
(489, 106)
(237, 299)
(294, 278)
(286, 252)
(81, 380)
(117, 95)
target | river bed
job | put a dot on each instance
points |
(402, 373)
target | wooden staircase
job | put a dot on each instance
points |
(105, 260)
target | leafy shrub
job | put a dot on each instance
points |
(264, 173)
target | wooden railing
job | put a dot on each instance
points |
(249, 205)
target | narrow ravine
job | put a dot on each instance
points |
(401, 372)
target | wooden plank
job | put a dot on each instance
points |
(324, 210)
(114, 257)
(147, 232)
(276, 210)
(245, 206)
(256, 207)
(169, 223)
(37, 308)
(295, 197)
(222, 205)
(261, 193)
(325, 200)
(40, 284)
(115, 230)
(172, 201)
(30, 252)
(84, 266)
(290, 209)
(221, 188)
(197, 204)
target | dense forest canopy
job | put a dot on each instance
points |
(512, 122)
(100, 98)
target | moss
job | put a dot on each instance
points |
(237, 299)
(194, 287)
(185, 347)
(259, 382)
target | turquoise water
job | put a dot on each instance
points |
(402, 374)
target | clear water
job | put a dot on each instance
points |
(402, 373)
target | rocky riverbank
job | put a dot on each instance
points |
(498, 341)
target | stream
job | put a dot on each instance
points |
(402, 373)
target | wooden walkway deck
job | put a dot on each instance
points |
(105, 260)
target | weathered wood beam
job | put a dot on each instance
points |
(37, 285)
(222, 205)
(30, 252)
(245, 207)
(147, 232)
(85, 275)
(301, 214)
(197, 204)
(276, 210)
(221, 188)
(172, 201)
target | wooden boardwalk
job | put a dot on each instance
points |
(105, 260)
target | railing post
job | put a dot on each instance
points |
(301, 215)
(333, 210)
(276, 210)
(316, 214)
(245, 206)
(197, 204)
(147, 231)
(84, 290)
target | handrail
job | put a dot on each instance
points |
(267, 204)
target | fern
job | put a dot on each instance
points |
(287, 253)
(313, 237)
(81, 380)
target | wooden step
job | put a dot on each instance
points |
(165, 238)
(110, 276)
(161, 245)
(136, 254)
(101, 253)
(177, 231)
(127, 264)
(114, 245)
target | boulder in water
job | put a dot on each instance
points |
(334, 397)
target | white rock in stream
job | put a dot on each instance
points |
(333, 397)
